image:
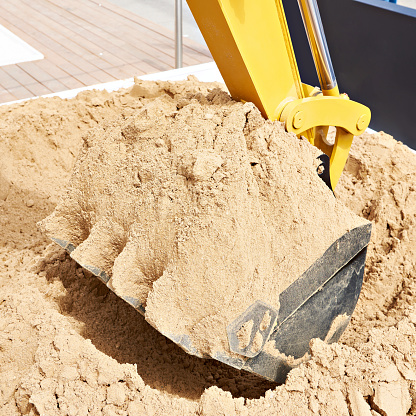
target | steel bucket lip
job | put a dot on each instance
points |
(338, 256)
(317, 317)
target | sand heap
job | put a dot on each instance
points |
(68, 345)
(379, 183)
(198, 207)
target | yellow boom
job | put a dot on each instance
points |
(250, 42)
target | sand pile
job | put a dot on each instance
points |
(197, 208)
(69, 346)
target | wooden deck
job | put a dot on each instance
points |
(85, 42)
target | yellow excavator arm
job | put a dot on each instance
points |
(250, 43)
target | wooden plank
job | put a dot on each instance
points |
(35, 71)
(51, 58)
(119, 72)
(72, 83)
(21, 92)
(38, 89)
(117, 27)
(54, 85)
(71, 65)
(116, 56)
(51, 68)
(143, 68)
(6, 96)
(87, 79)
(59, 74)
(123, 44)
(134, 71)
(148, 24)
(157, 45)
(18, 74)
(154, 27)
(156, 68)
(96, 37)
(7, 81)
(84, 44)
(108, 78)
(35, 80)
(65, 47)
(62, 27)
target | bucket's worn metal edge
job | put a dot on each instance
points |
(336, 269)
(323, 269)
(100, 274)
(314, 318)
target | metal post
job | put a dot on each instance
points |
(317, 42)
(178, 34)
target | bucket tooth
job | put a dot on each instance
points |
(128, 281)
(98, 252)
(65, 225)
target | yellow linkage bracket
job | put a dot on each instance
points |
(349, 117)
(250, 43)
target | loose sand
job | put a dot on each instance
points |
(68, 345)
(198, 208)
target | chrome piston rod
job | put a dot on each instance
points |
(178, 34)
(317, 42)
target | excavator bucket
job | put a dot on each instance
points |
(319, 304)
(250, 43)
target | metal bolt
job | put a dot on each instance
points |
(361, 122)
(298, 120)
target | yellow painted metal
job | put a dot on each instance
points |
(333, 92)
(349, 117)
(250, 43)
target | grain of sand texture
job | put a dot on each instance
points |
(198, 208)
(70, 346)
